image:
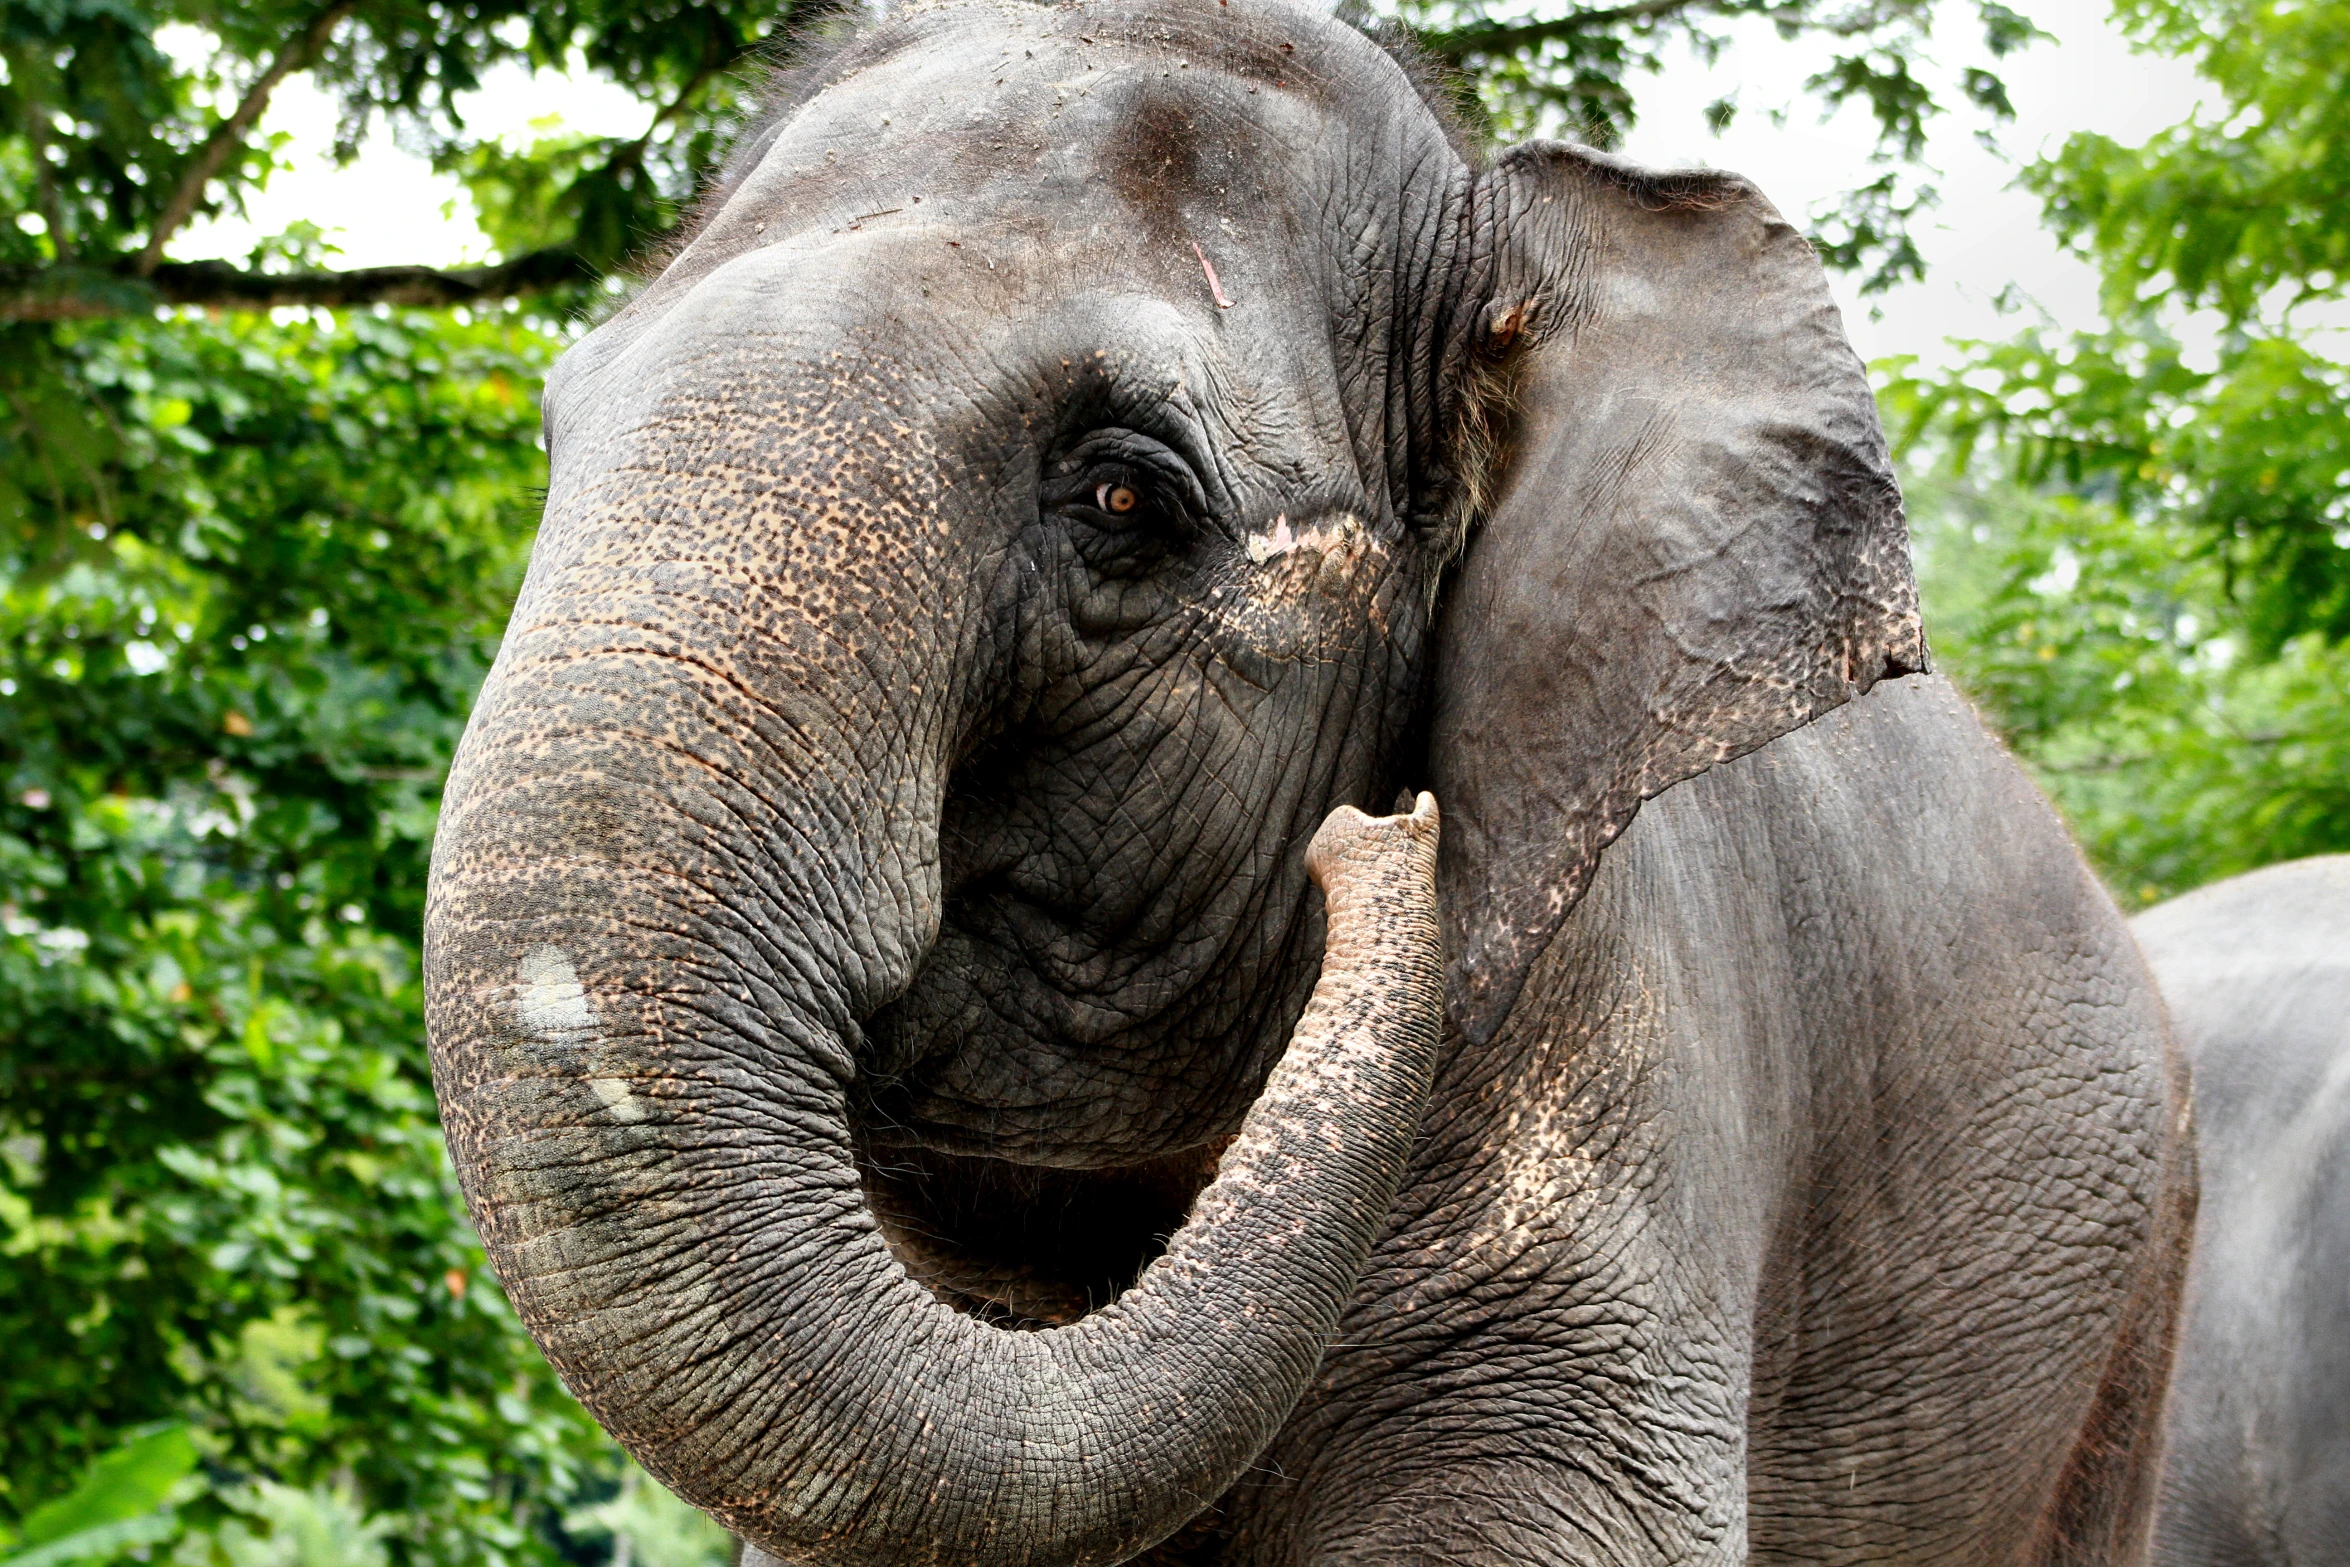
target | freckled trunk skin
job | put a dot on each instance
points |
(678, 1220)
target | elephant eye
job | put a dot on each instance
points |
(1130, 502)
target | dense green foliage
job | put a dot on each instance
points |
(254, 575)
(2142, 562)
(251, 572)
(121, 1502)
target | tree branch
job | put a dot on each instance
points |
(45, 181)
(81, 294)
(37, 129)
(635, 151)
(677, 106)
(230, 133)
(1509, 37)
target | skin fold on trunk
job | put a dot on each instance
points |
(786, 1373)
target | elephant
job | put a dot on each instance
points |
(941, 1056)
(2256, 971)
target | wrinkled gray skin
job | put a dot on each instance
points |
(871, 902)
(2257, 974)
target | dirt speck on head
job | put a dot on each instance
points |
(1154, 163)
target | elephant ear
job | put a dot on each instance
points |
(1694, 542)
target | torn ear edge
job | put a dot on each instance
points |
(1681, 536)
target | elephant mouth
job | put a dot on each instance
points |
(1027, 1246)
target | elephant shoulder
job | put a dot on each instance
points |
(1892, 870)
(1901, 824)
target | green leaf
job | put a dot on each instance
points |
(2245, 201)
(104, 1542)
(274, 559)
(133, 1479)
(660, 1529)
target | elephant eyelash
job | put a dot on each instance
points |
(1157, 484)
(1113, 498)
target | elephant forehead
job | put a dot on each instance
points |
(1131, 128)
(1077, 142)
(825, 374)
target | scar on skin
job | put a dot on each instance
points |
(550, 1001)
(618, 1098)
(1215, 288)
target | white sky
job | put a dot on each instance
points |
(1986, 234)
(389, 207)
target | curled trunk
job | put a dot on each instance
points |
(646, 1087)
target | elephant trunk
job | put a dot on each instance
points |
(659, 909)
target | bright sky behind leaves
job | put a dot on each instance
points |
(389, 207)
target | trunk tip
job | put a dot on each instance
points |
(1352, 845)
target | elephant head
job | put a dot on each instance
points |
(1078, 450)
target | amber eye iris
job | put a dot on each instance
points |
(1117, 499)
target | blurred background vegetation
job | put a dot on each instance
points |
(260, 521)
